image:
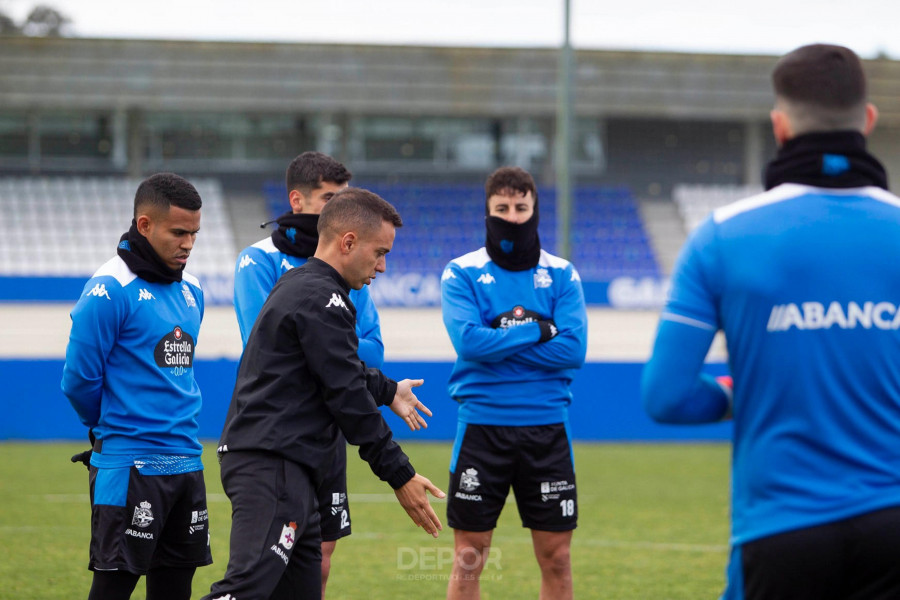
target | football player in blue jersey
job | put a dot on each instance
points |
(517, 320)
(803, 281)
(129, 375)
(312, 179)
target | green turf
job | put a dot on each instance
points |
(653, 525)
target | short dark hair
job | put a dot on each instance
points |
(823, 86)
(307, 172)
(509, 180)
(163, 190)
(356, 208)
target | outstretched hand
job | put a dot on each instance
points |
(406, 405)
(412, 497)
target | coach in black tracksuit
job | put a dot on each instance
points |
(299, 383)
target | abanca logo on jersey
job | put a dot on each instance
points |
(176, 349)
(815, 315)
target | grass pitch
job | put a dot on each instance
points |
(653, 525)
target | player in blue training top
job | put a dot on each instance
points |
(517, 319)
(803, 279)
(312, 179)
(129, 375)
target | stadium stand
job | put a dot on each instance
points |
(69, 226)
(695, 202)
(442, 222)
(66, 227)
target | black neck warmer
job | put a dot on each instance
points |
(834, 159)
(513, 246)
(297, 234)
(143, 260)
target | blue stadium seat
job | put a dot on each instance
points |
(443, 221)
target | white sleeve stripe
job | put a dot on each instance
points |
(117, 269)
(883, 196)
(185, 276)
(266, 245)
(476, 259)
(667, 316)
(781, 193)
(789, 191)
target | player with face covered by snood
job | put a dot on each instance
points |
(517, 319)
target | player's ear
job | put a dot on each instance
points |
(296, 200)
(871, 118)
(143, 224)
(348, 242)
(781, 126)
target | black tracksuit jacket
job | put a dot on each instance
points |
(300, 381)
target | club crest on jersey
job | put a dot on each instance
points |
(143, 516)
(188, 296)
(288, 535)
(542, 278)
(468, 480)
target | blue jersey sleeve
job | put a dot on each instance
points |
(368, 329)
(568, 349)
(253, 280)
(673, 389)
(472, 339)
(697, 278)
(96, 321)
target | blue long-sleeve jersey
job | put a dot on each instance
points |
(129, 362)
(503, 374)
(805, 284)
(257, 270)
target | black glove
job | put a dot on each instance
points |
(548, 330)
(85, 457)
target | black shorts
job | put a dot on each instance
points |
(162, 523)
(535, 460)
(334, 511)
(853, 559)
(275, 549)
